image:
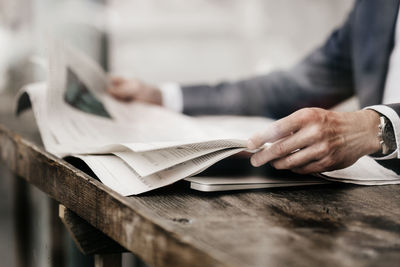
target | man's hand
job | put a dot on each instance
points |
(134, 90)
(315, 140)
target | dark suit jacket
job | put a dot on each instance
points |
(354, 60)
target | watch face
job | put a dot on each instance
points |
(388, 136)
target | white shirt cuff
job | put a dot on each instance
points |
(172, 98)
(395, 120)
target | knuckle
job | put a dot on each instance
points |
(324, 148)
(340, 140)
(257, 138)
(304, 115)
(279, 149)
(280, 164)
(317, 132)
(306, 112)
(290, 163)
(310, 114)
(307, 116)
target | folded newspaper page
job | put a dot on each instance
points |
(136, 147)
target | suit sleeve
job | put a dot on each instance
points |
(395, 107)
(322, 79)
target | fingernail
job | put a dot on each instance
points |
(254, 162)
(251, 145)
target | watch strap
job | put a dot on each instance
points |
(386, 136)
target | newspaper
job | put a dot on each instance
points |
(132, 148)
(137, 147)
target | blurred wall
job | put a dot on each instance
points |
(26, 26)
(170, 40)
(210, 40)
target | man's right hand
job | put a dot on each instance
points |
(134, 90)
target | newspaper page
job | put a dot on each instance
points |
(161, 167)
(113, 122)
(146, 163)
(366, 171)
(169, 146)
(119, 176)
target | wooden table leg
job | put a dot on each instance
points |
(91, 241)
(57, 230)
(22, 218)
(108, 260)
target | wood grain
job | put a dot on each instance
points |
(311, 226)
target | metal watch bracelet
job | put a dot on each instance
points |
(386, 136)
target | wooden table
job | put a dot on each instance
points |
(333, 225)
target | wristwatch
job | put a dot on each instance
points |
(386, 136)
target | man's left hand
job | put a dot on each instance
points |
(315, 140)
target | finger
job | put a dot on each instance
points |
(324, 164)
(117, 92)
(116, 80)
(125, 91)
(121, 95)
(120, 98)
(117, 84)
(276, 131)
(312, 167)
(300, 158)
(284, 147)
(263, 156)
(112, 89)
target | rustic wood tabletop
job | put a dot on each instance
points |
(330, 225)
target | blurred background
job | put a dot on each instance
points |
(157, 41)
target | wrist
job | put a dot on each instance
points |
(151, 95)
(156, 96)
(373, 141)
